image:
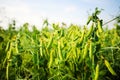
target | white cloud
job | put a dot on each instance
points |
(98, 3)
(35, 14)
(71, 9)
(21, 13)
(94, 1)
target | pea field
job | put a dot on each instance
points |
(60, 52)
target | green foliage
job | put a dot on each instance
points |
(60, 53)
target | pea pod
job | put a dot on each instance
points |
(82, 37)
(15, 48)
(51, 59)
(59, 51)
(97, 33)
(41, 47)
(62, 33)
(9, 52)
(8, 63)
(96, 72)
(50, 42)
(107, 64)
(8, 45)
(99, 26)
(85, 51)
(90, 31)
(91, 50)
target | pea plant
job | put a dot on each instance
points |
(59, 52)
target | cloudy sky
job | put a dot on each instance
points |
(68, 11)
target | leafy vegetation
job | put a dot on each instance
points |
(60, 53)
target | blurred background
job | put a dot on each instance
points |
(67, 11)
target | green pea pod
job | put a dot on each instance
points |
(96, 72)
(107, 64)
(9, 52)
(82, 37)
(90, 31)
(15, 49)
(91, 50)
(100, 26)
(97, 33)
(62, 33)
(51, 59)
(59, 51)
(85, 51)
(50, 42)
(41, 47)
(8, 45)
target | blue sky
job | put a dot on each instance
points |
(68, 11)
